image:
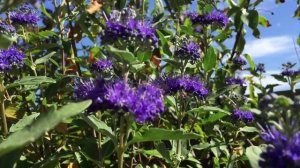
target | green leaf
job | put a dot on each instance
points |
(44, 58)
(283, 101)
(144, 56)
(253, 19)
(25, 121)
(207, 109)
(5, 41)
(45, 12)
(213, 118)
(32, 80)
(100, 126)
(298, 40)
(11, 159)
(164, 43)
(279, 78)
(158, 9)
(256, 33)
(171, 100)
(253, 154)
(210, 59)
(240, 44)
(43, 124)
(158, 134)
(220, 113)
(120, 4)
(263, 21)
(9, 4)
(297, 12)
(250, 61)
(165, 153)
(248, 129)
(53, 161)
(121, 55)
(176, 5)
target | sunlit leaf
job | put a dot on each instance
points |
(41, 125)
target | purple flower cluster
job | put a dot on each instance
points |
(9, 58)
(128, 29)
(25, 14)
(88, 89)
(145, 101)
(7, 28)
(101, 65)
(261, 68)
(148, 103)
(235, 81)
(172, 85)
(120, 95)
(239, 61)
(246, 116)
(189, 51)
(284, 151)
(288, 72)
(215, 17)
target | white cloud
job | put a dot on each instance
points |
(269, 46)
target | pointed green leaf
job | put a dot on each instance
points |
(32, 80)
(44, 58)
(25, 121)
(158, 134)
(250, 62)
(5, 41)
(253, 154)
(41, 125)
(121, 55)
(100, 126)
(210, 59)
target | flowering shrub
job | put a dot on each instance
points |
(140, 84)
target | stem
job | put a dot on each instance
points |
(238, 35)
(100, 138)
(121, 143)
(2, 110)
(34, 66)
(73, 42)
(63, 59)
(237, 38)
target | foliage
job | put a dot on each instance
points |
(140, 83)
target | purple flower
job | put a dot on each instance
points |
(89, 89)
(10, 58)
(235, 81)
(288, 72)
(145, 102)
(7, 28)
(284, 151)
(261, 68)
(189, 51)
(25, 14)
(148, 104)
(239, 61)
(171, 85)
(124, 26)
(101, 65)
(198, 29)
(120, 95)
(215, 17)
(246, 116)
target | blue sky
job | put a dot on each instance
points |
(276, 45)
